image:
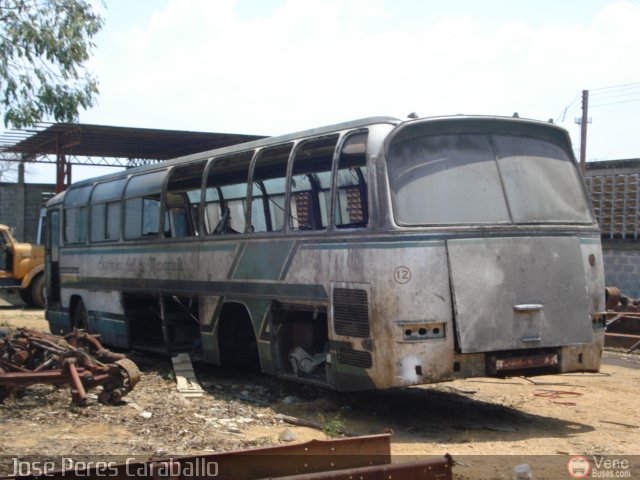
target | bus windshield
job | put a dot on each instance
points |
(484, 179)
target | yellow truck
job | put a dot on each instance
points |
(22, 268)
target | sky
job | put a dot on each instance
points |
(272, 67)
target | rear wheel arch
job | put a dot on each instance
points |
(237, 340)
(28, 279)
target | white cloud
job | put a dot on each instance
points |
(199, 65)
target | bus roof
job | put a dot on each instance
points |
(246, 146)
(290, 137)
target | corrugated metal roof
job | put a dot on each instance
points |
(76, 139)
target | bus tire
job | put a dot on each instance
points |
(80, 316)
(38, 297)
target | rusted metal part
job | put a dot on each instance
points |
(81, 339)
(622, 340)
(530, 361)
(623, 321)
(77, 389)
(367, 457)
(435, 469)
(29, 358)
(612, 297)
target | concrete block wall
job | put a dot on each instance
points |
(614, 192)
(622, 266)
(20, 207)
(8, 201)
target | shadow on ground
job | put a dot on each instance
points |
(413, 413)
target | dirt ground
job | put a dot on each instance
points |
(473, 420)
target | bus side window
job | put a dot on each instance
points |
(226, 194)
(76, 215)
(142, 205)
(76, 224)
(351, 188)
(182, 200)
(105, 210)
(311, 184)
(268, 189)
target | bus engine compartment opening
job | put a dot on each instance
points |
(301, 343)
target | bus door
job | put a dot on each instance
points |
(52, 256)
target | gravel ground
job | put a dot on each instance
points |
(559, 415)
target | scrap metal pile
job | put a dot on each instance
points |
(623, 321)
(78, 359)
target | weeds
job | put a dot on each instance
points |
(334, 426)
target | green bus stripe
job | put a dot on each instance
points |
(590, 240)
(362, 240)
(263, 261)
(108, 317)
(372, 245)
(258, 290)
(191, 247)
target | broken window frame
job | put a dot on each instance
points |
(149, 195)
(191, 195)
(262, 200)
(239, 202)
(319, 184)
(361, 172)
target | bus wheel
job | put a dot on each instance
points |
(37, 292)
(80, 316)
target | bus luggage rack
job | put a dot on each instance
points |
(616, 202)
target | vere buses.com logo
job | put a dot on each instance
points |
(602, 467)
(579, 467)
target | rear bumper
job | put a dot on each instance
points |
(567, 359)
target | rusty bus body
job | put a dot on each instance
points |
(370, 254)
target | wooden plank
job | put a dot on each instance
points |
(186, 381)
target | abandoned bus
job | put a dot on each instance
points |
(369, 254)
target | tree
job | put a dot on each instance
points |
(44, 49)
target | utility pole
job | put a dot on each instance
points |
(583, 131)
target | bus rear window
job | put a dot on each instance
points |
(484, 179)
(540, 181)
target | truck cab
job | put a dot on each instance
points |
(22, 268)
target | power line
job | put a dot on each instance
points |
(600, 94)
(615, 103)
(617, 95)
(615, 91)
(563, 114)
(613, 86)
